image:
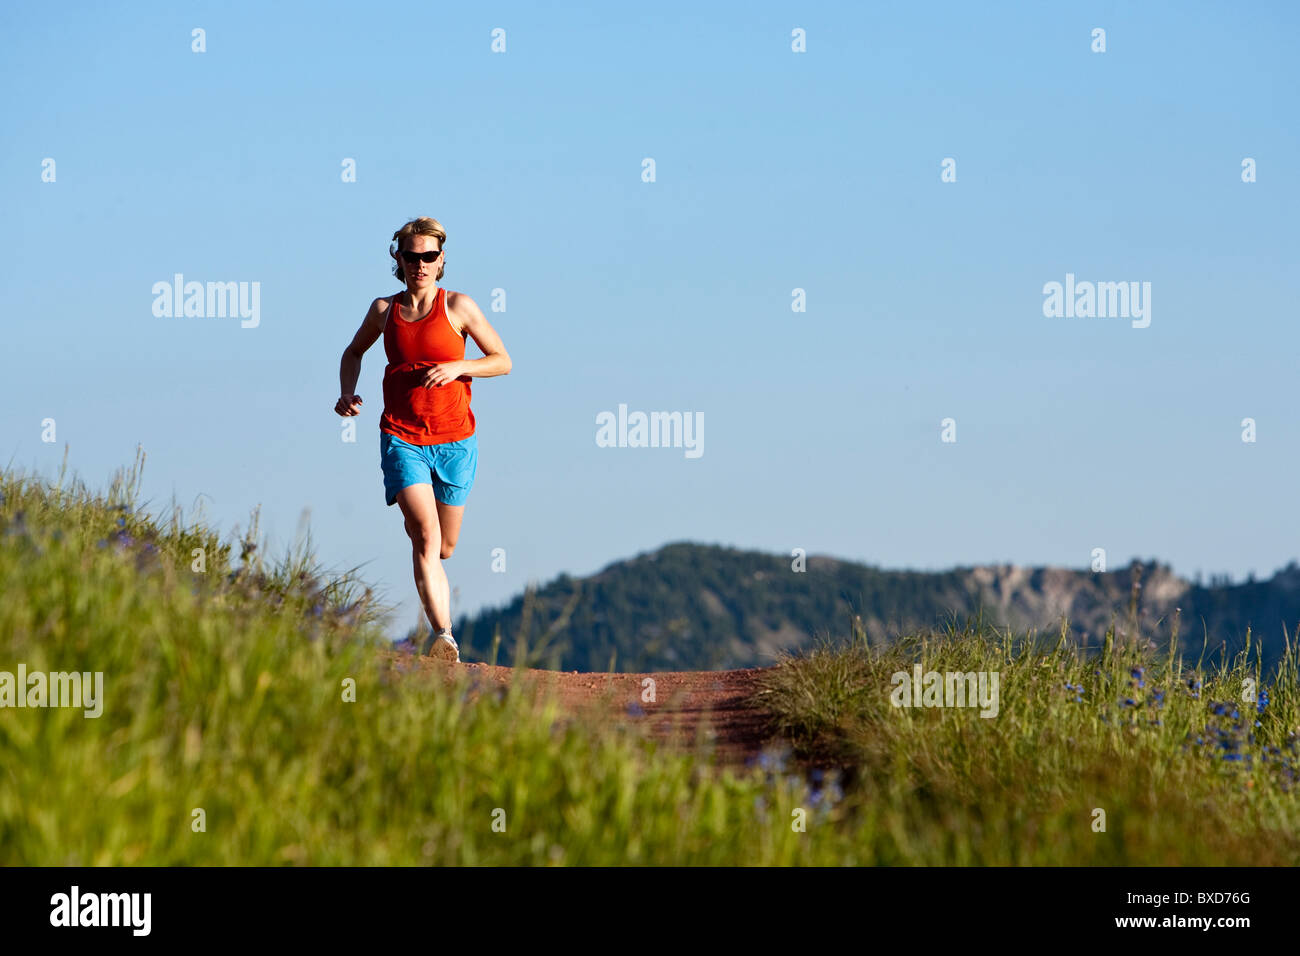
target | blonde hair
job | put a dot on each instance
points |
(424, 226)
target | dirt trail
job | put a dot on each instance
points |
(706, 706)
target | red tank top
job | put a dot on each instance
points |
(415, 414)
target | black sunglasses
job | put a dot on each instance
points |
(413, 257)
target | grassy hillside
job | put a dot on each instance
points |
(1122, 756)
(226, 691)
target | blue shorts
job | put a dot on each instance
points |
(450, 467)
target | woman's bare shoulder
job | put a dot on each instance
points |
(453, 299)
(380, 307)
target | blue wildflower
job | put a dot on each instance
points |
(769, 761)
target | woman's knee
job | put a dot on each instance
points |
(424, 538)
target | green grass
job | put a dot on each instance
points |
(224, 691)
(941, 785)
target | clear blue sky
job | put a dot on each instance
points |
(775, 171)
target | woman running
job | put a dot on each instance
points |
(428, 450)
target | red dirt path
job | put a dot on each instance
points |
(711, 707)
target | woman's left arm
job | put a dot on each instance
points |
(495, 360)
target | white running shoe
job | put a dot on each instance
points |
(445, 647)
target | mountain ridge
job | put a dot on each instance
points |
(686, 605)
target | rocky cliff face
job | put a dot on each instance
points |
(1026, 597)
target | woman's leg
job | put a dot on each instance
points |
(428, 547)
(449, 519)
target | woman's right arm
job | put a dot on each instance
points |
(372, 326)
